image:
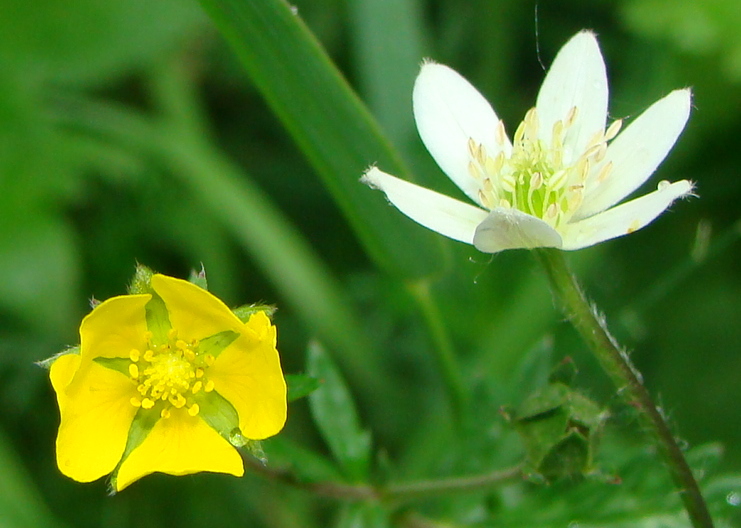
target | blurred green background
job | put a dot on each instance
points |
(85, 193)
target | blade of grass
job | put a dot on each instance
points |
(330, 125)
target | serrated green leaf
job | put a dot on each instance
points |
(333, 410)
(300, 385)
(330, 125)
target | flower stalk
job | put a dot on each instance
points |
(616, 363)
(398, 493)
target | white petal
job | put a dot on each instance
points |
(623, 219)
(433, 210)
(449, 111)
(512, 229)
(636, 152)
(577, 78)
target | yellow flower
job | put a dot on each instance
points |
(170, 381)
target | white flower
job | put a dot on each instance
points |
(557, 183)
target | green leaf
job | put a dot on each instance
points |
(334, 412)
(305, 464)
(300, 385)
(330, 125)
(363, 515)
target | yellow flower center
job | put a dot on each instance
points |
(169, 375)
(542, 180)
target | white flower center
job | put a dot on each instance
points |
(542, 180)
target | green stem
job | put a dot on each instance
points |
(442, 345)
(423, 489)
(392, 493)
(627, 379)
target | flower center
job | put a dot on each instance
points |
(169, 375)
(542, 180)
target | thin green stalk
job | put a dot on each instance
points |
(396, 494)
(616, 363)
(424, 489)
(442, 345)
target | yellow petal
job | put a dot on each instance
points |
(194, 312)
(114, 328)
(61, 373)
(96, 414)
(249, 376)
(180, 445)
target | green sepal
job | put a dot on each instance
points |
(144, 421)
(245, 312)
(199, 278)
(48, 362)
(565, 372)
(560, 428)
(221, 416)
(158, 320)
(141, 282)
(255, 449)
(300, 385)
(216, 343)
(118, 364)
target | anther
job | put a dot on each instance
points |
(484, 199)
(181, 344)
(133, 370)
(177, 401)
(613, 129)
(472, 147)
(571, 117)
(552, 211)
(149, 355)
(604, 172)
(197, 386)
(536, 181)
(209, 359)
(193, 411)
(209, 386)
(135, 402)
(147, 403)
(500, 133)
(134, 355)
(474, 171)
(165, 413)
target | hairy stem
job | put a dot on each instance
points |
(616, 363)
